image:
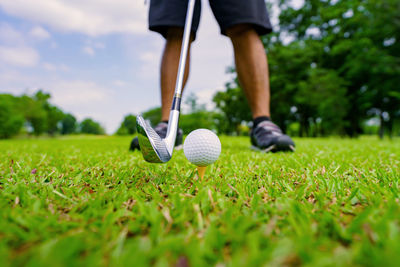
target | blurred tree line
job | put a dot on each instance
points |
(196, 117)
(35, 115)
(340, 67)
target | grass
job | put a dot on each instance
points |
(90, 202)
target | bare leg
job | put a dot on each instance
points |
(169, 69)
(252, 67)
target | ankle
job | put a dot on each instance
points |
(259, 119)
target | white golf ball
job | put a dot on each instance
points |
(202, 147)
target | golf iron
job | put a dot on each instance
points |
(154, 148)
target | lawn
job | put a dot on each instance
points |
(90, 202)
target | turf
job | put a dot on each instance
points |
(89, 202)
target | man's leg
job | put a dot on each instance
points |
(169, 71)
(169, 68)
(252, 67)
(162, 15)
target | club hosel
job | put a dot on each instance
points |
(172, 130)
(176, 103)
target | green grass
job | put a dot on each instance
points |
(89, 202)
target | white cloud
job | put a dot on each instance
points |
(91, 17)
(274, 12)
(90, 47)
(10, 36)
(53, 45)
(15, 49)
(313, 31)
(150, 64)
(297, 4)
(64, 67)
(39, 33)
(348, 14)
(12, 81)
(205, 97)
(48, 66)
(68, 94)
(119, 83)
(149, 56)
(87, 99)
(76, 93)
(211, 54)
(99, 45)
(53, 67)
(19, 56)
(88, 50)
(82, 98)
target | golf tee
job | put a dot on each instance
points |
(201, 171)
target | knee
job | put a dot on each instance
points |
(240, 30)
(174, 34)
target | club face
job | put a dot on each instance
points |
(153, 148)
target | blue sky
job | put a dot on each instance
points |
(97, 57)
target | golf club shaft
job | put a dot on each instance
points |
(176, 102)
(183, 56)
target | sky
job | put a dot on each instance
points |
(98, 59)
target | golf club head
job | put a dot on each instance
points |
(152, 146)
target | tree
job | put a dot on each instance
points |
(34, 114)
(289, 66)
(128, 125)
(54, 115)
(122, 131)
(11, 120)
(192, 101)
(54, 119)
(40, 114)
(324, 94)
(90, 126)
(197, 116)
(153, 115)
(200, 119)
(233, 108)
(356, 39)
(68, 124)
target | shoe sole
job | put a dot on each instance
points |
(180, 147)
(274, 148)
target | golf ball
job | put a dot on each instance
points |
(202, 147)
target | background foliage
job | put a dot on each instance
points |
(35, 115)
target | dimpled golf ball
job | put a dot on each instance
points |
(202, 147)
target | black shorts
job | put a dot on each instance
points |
(171, 13)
